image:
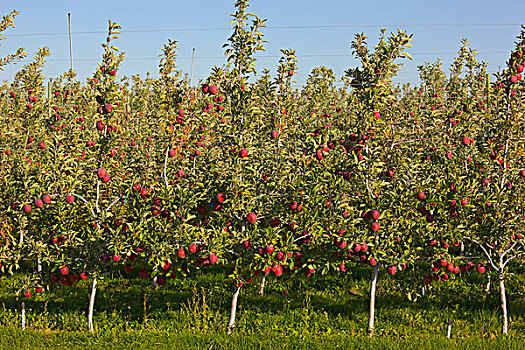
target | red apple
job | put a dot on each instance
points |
(128, 268)
(102, 173)
(143, 273)
(26, 208)
(213, 89)
(161, 280)
(480, 268)
(251, 218)
(391, 269)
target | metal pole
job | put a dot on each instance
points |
(192, 60)
(70, 45)
(49, 98)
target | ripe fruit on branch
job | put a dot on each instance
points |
(420, 195)
(108, 108)
(391, 269)
(270, 249)
(480, 268)
(46, 198)
(213, 258)
(213, 89)
(39, 203)
(375, 214)
(70, 199)
(376, 227)
(64, 270)
(26, 208)
(143, 273)
(251, 218)
(161, 280)
(102, 173)
(466, 141)
(243, 153)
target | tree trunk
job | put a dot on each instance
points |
(261, 287)
(92, 304)
(371, 318)
(231, 322)
(505, 328)
(23, 315)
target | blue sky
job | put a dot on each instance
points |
(494, 38)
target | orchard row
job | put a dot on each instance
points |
(248, 175)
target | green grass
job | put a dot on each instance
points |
(324, 312)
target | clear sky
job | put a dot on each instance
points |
(438, 27)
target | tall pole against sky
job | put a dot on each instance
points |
(70, 46)
(191, 73)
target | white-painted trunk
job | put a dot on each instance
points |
(504, 317)
(233, 311)
(487, 286)
(261, 287)
(92, 304)
(371, 318)
(23, 316)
